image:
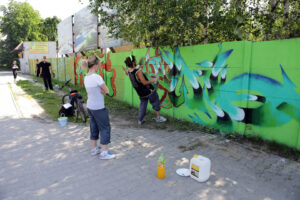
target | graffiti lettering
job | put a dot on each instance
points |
(105, 70)
(216, 101)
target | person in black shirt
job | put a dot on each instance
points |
(37, 69)
(45, 69)
(144, 89)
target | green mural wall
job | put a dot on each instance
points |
(32, 67)
(54, 62)
(245, 87)
(69, 70)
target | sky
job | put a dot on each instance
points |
(49, 8)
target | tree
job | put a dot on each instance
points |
(174, 22)
(49, 28)
(188, 22)
(281, 19)
(152, 22)
(20, 22)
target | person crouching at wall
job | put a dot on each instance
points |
(144, 89)
(99, 119)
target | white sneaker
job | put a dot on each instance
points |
(95, 151)
(106, 155)
(140, 122)
(161, 119)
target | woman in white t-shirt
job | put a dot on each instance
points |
(99, 119)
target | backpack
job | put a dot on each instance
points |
(66, 110)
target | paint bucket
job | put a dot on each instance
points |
(62, 121)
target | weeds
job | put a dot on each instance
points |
(265, 145)
(48, 100)
(51, 102)
(191, 147)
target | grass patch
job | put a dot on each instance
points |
(269, 146)
(51, 102)
(193, 146)
(48, 100)
(283, 150)
(11, 90)
(130, 113)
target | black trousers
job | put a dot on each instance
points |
(47, 81)
(15, 73)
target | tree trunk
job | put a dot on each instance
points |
(286, 8)
(286, 16)
(206, 24)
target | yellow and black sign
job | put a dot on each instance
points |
(195, 170)
(38, 47)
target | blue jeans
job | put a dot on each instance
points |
(99, 122)
(154, 100)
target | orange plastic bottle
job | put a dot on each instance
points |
(161, 167)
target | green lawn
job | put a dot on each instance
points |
(50, 101)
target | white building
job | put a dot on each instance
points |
(34, 50)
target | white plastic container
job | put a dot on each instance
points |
(200, 168)
(62, 121)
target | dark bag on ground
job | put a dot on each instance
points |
(66, 110)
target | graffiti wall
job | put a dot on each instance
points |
(105, 70)
(275, 71)
(244, 87)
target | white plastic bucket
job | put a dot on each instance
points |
(200, 168)
(62, 121)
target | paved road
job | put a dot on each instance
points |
(40, 160)
(7, 105)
